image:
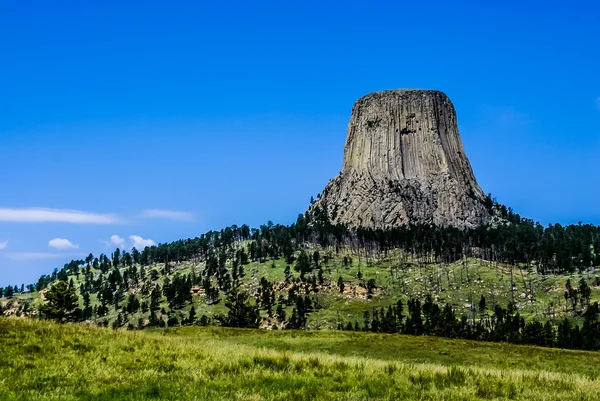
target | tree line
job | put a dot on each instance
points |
(510, 239)
(502, 324)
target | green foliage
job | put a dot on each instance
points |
(191, 319)
(241, 313)
(173, 321)
(482, 304)
(61, 302)
(340, 283)
(302, 263)
(513, 269)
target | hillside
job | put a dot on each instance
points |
(396, 277)
(44, 360)
(511, 281)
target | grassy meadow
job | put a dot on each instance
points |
(46, 361)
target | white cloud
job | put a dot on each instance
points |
(61, 243)
(136, 241)
(598, 102)
(140, 243)
(117, 241)
(3, 245)
(167, 214)
(40, 215)
(27, 256)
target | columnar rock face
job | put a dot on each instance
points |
(404, 163)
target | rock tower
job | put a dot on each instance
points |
(404, 162)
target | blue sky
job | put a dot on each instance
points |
(156, 122)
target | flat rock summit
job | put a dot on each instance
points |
(404, 163)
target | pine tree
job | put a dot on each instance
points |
(61, 301)
(302, 263)
(340, 283)
(241, 313)
(116, 257)
(482, 305)
(155, 298)
(585, 292)
(320, 278)
(192, 316)
(371, 286)
(280, 312)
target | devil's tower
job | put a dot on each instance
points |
(404, 163)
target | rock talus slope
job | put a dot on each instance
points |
(404, 163)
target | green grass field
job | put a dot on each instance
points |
(46, 361)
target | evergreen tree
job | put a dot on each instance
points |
(482, 305)
(61, 302)
(585, 292)
(155, 298)
(302, 263)
(280, 312)
(116, 257)
(192, 316)
(340, 283)
(371, 286)
(241, 313)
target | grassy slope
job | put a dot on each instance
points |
(41, 360)
(395, 282)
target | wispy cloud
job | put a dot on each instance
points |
(135, 241)
(115, 240)
(61, 244)
(167, 214)
(40, 215)
(140, 243)
(598, 102)
(28, 256)
(3, 245)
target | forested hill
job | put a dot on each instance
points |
(510, 240)
(512, 280)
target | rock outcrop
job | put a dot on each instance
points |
(404, 163)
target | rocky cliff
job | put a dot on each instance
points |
(404, 163)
